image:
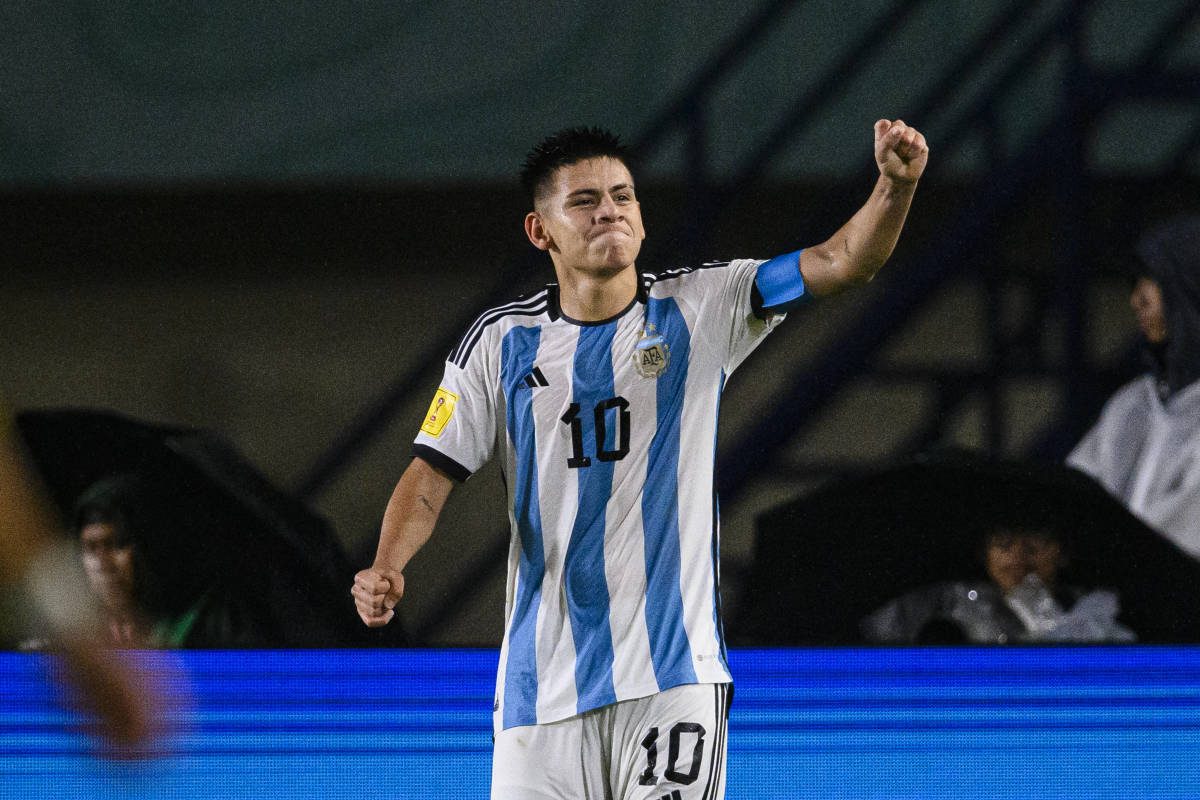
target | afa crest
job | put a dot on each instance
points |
(652, 356)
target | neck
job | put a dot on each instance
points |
(590, 297)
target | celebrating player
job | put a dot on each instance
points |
(600, 394)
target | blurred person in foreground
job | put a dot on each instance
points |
(600, 395)
(1020, 599)
(1145, 447)
(45, 573)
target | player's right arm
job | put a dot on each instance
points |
(408, 523)
(35, 561)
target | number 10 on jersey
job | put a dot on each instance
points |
(605, 414)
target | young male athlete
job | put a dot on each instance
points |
(600, 394)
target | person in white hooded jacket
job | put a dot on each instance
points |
(1145, 447)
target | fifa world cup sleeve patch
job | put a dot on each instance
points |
(439, 413)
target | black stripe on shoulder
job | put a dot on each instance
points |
(679, 271)
(441, 461)
(645, 283)
(528, 305)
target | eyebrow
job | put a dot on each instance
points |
(619, 187)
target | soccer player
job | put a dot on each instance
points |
(35, 560)
(600, 394)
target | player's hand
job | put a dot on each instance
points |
(122, 695)
(376, 591)
(900, 151)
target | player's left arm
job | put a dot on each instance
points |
(861, 246)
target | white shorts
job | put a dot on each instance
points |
(668, 746)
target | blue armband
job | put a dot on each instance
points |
(780, 283)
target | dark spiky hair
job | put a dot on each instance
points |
(568, 146)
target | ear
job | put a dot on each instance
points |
(536, 231)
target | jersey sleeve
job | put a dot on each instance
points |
(733, 305)
(459, 429)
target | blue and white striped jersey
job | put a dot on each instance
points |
(608, 435)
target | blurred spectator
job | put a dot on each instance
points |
(1145, 448)
(1020, 600)
(255, 563)
(147, 598)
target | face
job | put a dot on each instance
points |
(1147, 302)
(1011, 556)
(108, 564)
(589, 219)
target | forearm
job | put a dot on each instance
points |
(869, 237)
(411, 514)
(864, 243)
(34, 556)
(26, 526)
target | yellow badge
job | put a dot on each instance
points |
(440, 412)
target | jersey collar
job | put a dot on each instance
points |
(556, 312)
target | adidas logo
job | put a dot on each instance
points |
(536, 379)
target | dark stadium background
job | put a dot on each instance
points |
(270, 221)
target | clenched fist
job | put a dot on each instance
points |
(376, 591)
(900, 151)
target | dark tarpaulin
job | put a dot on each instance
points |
(230, 527)
(824, 561)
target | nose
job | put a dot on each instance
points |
(1137, 298)
(104, 561)
(607, 210)
(1140, 298)
(104, 558)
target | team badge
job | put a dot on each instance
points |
(439, 413)
(652, 355)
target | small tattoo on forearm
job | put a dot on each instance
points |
(425, 502)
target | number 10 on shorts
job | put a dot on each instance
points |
(682, 736)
